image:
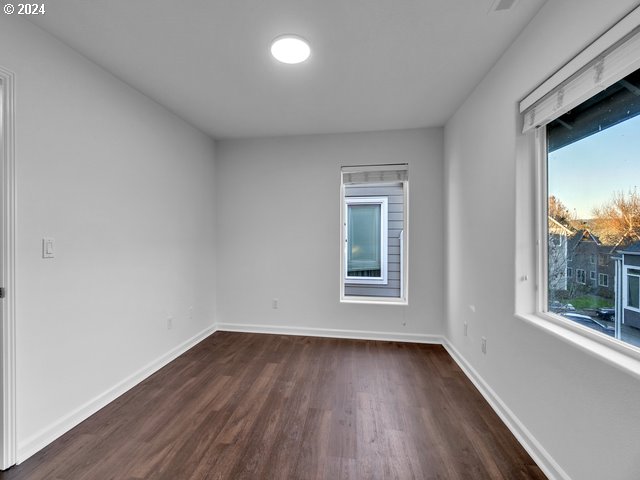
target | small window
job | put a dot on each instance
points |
(374, 226)
(592, 275)
(592, 259)
(580, 276)
(603, 260)
(603, 280)
(569, 272)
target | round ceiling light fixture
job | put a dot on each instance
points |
(290, 49)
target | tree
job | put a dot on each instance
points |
(558, 211)
(618, 221)
(559, 229)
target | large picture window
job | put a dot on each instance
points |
(374, 226)
(588, 131)
(592, 170)
(582, 132)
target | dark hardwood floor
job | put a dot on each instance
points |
(255, 406)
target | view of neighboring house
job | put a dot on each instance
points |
(374, 217)
(579, 263)
(628, 301)
(596, 275)
(590, 269)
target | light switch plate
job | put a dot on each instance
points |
(48, 247)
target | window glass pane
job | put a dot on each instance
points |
(634, 292)
(364, 240)
(593, 174)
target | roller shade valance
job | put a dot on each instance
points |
(607, 66)
(375, 174)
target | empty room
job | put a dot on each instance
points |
(338, 239)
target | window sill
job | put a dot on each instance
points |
(374, 301)
(616, 354)
(365, 281)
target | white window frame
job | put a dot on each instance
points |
(614, 351)
(625, 289)
(584, 276)
(569, 272)
(602, 276)
(384, 230)
(403, 299)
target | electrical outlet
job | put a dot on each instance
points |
(169, 323)
(483, 345)
(274, 303)
(466, 329)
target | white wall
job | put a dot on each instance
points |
(126, 190)
(278, 203)
(584, 412)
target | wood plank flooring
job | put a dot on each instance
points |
(251, 406)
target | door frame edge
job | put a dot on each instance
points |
(8, 452)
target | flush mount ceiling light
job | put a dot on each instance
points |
(290, 49)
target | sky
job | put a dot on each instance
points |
(584, 174)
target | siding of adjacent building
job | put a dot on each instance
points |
(631, 317)
(395, 196)
(586, 254)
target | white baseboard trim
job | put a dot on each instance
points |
(48, 434)
(330, 333)
(533, 447)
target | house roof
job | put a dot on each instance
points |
(558, 228)
(585, 235)
(591, 230)
(633, 249)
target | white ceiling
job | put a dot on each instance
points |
(375, 64)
